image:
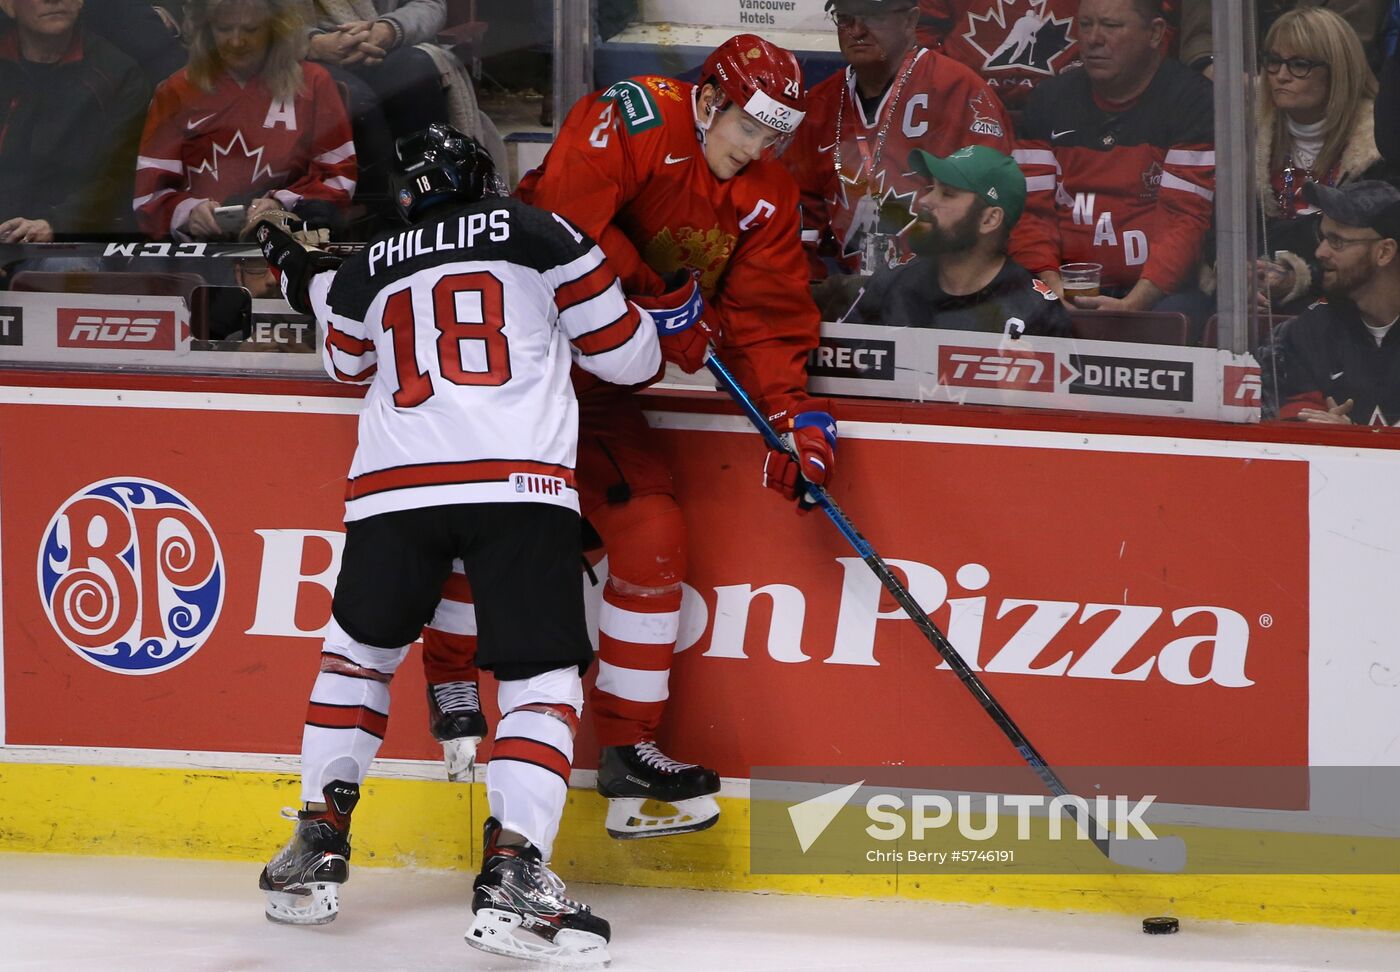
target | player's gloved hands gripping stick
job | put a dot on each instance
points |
(292, 263)
(679, 315)
(811, 434)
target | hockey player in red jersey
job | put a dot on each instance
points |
(894, 97)
(678, 183)
(463, 325)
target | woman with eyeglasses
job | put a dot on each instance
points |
(1315, 125)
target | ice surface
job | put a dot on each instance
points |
(124, 915)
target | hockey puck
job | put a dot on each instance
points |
(1161, 926)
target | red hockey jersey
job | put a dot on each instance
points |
(629, 169)
(934, 103)
(237, 142)
(1012, 44)
(1129, 186)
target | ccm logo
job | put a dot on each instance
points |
(983, 368)
(85, 328)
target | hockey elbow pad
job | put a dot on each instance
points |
(292, 263)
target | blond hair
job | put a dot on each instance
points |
(286, 21)
(1320, 35)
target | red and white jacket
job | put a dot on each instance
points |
(238, 142)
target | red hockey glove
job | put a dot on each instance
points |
(680, 322)
(812, 435)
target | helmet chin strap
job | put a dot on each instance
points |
(702, 127)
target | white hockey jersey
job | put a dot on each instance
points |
(465, 327)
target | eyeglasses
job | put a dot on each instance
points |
(848, 21)
(1298, 67)
(1339, 243)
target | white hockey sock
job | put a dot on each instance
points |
(348, 713)
(527, 778)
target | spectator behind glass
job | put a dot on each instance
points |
(1029, 43)
(1197, 42)
(381, 52)
(961, 278)
(848, 156)
(147, 34)
(1316, 123)
(1388, 100)
(245, 124)
(1120, 165)
(1339, 362)
(71, 107)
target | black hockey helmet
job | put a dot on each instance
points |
(440, 164)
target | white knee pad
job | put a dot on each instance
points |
(561, 686)
(386, 661)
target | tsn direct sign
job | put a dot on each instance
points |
(122, 330)
(968, 367)
(1115, 624)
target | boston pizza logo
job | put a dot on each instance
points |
(131, 576)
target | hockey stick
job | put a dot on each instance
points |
(1163, 854)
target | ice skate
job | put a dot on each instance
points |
(303, 881)
(629, 776)
(516, 892)
(456, 721)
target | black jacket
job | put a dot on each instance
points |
(69, 132)
(1327, 352)
(910, 296)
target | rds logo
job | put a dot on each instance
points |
(131, 576)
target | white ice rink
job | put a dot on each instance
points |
(137, 915)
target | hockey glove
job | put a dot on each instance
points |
(679, 315)
(812, 436)
(292, 264)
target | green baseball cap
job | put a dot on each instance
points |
(980, 169)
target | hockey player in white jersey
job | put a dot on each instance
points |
(464, 325)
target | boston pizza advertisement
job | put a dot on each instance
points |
(166, 564)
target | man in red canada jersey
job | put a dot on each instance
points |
(850, 157)
(679, 185)
(1119, 159)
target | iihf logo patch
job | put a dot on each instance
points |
(131, 576)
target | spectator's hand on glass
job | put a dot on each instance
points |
(202, 223)
(1334, 414)
(21, 230)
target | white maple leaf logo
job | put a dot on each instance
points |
(244, 167)
(1030, 41)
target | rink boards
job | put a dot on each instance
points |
(1132, 598)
